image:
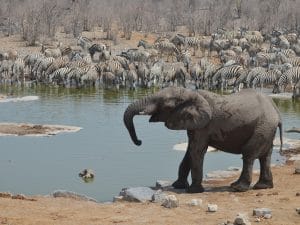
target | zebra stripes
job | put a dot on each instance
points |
(291, 76)
(267, 77)
(225, 74)
(166, 48)
(186, 42)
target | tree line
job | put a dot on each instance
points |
(35, 18)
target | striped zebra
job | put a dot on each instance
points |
(264, 59)
(225, 74)
(84, 42)
(59, 76)
(291, 76)
(18, 71)
(96, 48)
(266, 78)
(30, 60)
(144, 44)
(42, 67)
(185, 57)
(290, 53)
(253, 73)
(186, 42)
(167, 48)
(75, 74)
(55, 65)
(174, 74)
(295, 61)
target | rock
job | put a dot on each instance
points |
(138, 194)
(241, 219)
(195, 202)
(212, 208)
(261, 211)
(118, 198)
(163, 184)
(73, 195)
(170, 202)
(297, 166)
(221, 174)
(267, 216)
(298, 210)
(298, 194)
(159, 196)
(295, 158)
(87, 174)
(226, 223)
(233, 168)
(5, 195)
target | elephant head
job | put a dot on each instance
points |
(178, 108)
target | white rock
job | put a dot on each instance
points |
(298, 210)
(195, 202)
(261, 211)
(159, 196)
(170, 202)
(163, 183)
(212, 208)
(118, 198)
(267, 216)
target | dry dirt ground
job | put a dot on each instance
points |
(282, 200)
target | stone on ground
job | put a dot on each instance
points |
(261, 211)
(137, 194)
(170, 202)
(212, 208)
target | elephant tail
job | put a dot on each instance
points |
(280, 134)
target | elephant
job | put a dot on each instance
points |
(240, 123)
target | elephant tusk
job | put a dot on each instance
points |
(142, 113)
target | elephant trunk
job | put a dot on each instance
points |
(140, 107)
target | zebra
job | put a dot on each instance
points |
(42, 67)
(291, 76)
(253, 73)
(136, 55)
(174, 74)
(84, 42)
(264, 59)
(59, 76)
(30, 60)
(295, 61)
(18, 70)
(186, 42)
(184, 57)
(224, 74)
(268, 77)
(166, 48)
(96, 48)
(144, 44)
(55, 65)
(197, 75)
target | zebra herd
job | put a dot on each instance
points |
(246, 59)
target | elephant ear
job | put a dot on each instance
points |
(192, 113)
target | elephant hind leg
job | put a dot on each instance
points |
(243, 183)
(265, 177)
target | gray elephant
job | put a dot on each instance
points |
(242, 123)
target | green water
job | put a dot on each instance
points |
(40, 165)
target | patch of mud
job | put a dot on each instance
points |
(24, 129)
(4, 99)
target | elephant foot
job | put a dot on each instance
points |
(240, 186)
(179, 184)
(263, 185)
(195, 189)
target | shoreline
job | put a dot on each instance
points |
(283, 199)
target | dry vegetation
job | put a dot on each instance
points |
(38, 20)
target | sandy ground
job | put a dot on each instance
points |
(282, 200)
(26, 129)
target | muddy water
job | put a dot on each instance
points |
(40, 165)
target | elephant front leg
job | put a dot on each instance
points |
(198, 148)
(183, 172)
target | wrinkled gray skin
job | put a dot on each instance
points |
(242, 123)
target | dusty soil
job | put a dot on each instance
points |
(282, 200)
